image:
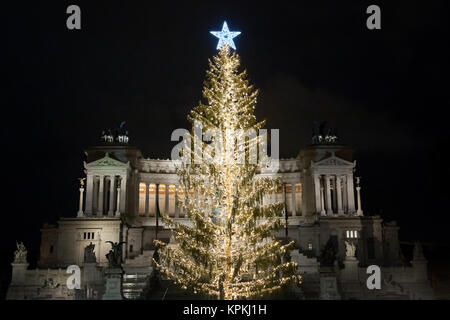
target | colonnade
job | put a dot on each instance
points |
(167, 195)
(335, 194)
(105, 195)
(291, 194)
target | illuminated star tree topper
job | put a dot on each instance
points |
(225, 36)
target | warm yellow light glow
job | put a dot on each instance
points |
(230, 251)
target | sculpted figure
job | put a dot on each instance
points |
(350, 249)
(20, 255)
(114, 255)
(89, 254)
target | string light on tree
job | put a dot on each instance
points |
(229, 250)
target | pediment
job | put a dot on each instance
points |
(107, 161)
(333, 161)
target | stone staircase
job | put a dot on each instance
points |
(137, 272)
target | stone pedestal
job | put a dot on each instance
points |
(328, 286)
(18, 273)
(350, 271)
(351, 286)
(113, 284)
(93, 281)
(91, 274)
(16, 288)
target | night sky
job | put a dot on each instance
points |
(385, 91)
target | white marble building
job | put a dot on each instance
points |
(322, 196)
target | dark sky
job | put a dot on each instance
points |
(386, 91)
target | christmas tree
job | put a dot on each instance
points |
(228, 250)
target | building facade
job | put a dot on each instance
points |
(118, 202)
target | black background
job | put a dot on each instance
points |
(386, 91)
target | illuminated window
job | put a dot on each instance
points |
(351, 234)
(310, 246)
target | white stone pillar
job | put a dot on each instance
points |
(89, 194)
(322, 202)
(344, 194)
(111, 196)
(294, 201)
(147, 204)
(328, 190)
(339, 195)
(101, 198)
(166, 203)
(80, 206)
(359, 212)
(350, 194)
(317, 193)
(123, 193)
(177, 208)
(118, 201)
(333, 193)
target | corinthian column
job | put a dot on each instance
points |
(89, 194)
(101, 198)
(317, 193)
(123, 193)
(147, 204)
(294, 201)
(359, 212)
(80, 210)
(322, 202)
(339, 195)
(166, 204)
(350, 194)
(119, 195)
(111, 196)
(327, 183)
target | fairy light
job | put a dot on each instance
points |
(229, 252)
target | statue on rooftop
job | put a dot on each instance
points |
(82, 182)
(322, 134)
(20, 255)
